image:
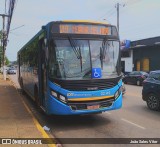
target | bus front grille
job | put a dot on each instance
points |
(87, 85)
(83, 106)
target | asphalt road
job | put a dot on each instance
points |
(133, 120)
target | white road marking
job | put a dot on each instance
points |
(133, 123)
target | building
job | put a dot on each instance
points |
(126, 57)
(142, 55)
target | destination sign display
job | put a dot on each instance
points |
(79, 28)
(84, 29)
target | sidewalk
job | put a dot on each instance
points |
(15, 119)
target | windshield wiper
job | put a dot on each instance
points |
(76, 49)
(103, 51)
(101, 57)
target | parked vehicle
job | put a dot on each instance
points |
(151, 90)
(11, 70)
(155, 71)
(135, 77)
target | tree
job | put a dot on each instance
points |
(0, 35)
(7, 61)
(1, 52)
(0, 55)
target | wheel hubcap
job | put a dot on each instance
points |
(152, 102)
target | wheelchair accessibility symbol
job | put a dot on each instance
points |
(96, 73)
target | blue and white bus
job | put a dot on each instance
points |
(72, 68)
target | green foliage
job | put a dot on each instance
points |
(1, 53)
(0, 35)
(0, 49)
(7, 61)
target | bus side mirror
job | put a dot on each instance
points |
(43, 27)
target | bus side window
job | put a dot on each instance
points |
(53, 64)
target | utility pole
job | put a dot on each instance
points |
(118, 16)
(117, 6)
(4, 44)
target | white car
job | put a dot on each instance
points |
(12, 70)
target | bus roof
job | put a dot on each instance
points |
(84, 21)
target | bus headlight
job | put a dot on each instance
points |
(62, 98)
(59, 96)
(118, 92)
(116, 95)
(53, 93)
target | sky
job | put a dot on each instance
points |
(139, 19)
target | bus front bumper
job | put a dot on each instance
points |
(56, 107)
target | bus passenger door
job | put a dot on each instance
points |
(42, 73)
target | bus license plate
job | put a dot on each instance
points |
(93, 107)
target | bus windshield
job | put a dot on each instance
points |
(75, 58)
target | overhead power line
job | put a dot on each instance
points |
(130, 5)
(106, 14)
(17, 28)
(131, 2)
(112, 11)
